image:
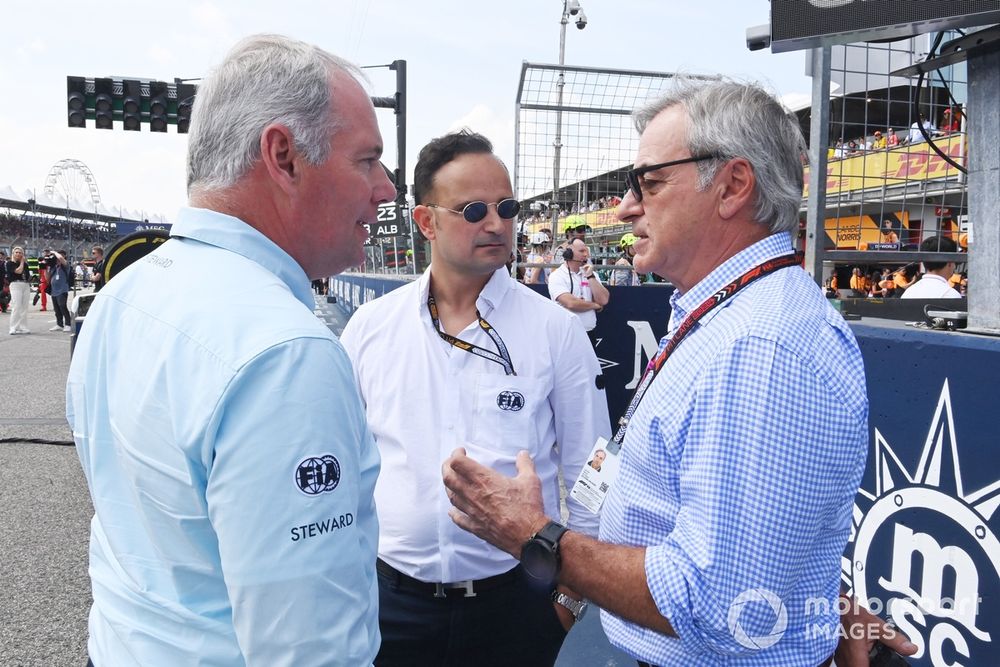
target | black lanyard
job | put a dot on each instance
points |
(656, 363)
(503, 358)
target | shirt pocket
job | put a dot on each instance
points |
(506, 419)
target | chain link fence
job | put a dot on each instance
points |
(575, 140)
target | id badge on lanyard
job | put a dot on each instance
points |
(597, 475)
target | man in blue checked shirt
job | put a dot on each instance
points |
(733, 504)
(217, 419)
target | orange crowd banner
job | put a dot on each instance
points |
(915, 162)
(857, 231)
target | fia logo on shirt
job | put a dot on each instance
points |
(317, 474)
(510, 401)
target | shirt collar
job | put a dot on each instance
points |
(489, 298)
(773, 246)
(232, 234)
(933, 276)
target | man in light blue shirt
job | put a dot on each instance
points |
(721, 538)
(216, 418)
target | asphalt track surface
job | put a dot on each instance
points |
(45, 511)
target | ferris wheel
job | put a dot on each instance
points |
(71, 180)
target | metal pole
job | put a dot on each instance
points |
(984, 191)
(34, 219)
(517, 164)
(818, 128)
(560, 82)
(399, 66)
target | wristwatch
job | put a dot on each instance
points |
(576, 607)
(540, 554)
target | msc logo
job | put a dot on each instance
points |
(317, 474)
(511, 401)
(924, 550)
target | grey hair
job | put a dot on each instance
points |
(734, 119)
(264, 79)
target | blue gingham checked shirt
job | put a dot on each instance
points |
(739, 470)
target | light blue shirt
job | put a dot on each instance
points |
(230, 465)
(739, 470)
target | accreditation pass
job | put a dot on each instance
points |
(597, 476)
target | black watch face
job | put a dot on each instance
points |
(539, 561)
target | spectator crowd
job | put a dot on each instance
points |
(951, 122)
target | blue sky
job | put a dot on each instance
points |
(463, 57)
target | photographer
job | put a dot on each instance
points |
(58, 288)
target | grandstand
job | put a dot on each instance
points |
(36, 223)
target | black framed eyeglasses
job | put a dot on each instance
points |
(632, 176)
(475, 211)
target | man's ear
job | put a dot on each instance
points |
(424, 217)
(280, 157)
(738, 182)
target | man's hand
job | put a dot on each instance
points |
(861, 629)
(504, 511)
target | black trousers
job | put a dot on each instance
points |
(62, 310)
(515, 624)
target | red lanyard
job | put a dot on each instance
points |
(726, 293)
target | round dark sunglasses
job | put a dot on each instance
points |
(475, 211)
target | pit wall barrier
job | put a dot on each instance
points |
(924, 549)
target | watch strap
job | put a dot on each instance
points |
(552, 532)
(576, 607)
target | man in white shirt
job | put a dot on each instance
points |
(915, 135)
(467, 357)
(934, 284)
(576, 287)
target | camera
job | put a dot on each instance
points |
(573, 7)
(49, 260)
(758, 37)
(581, 20)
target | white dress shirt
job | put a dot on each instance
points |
(562, 282)
(931, 286)
(424, 398)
